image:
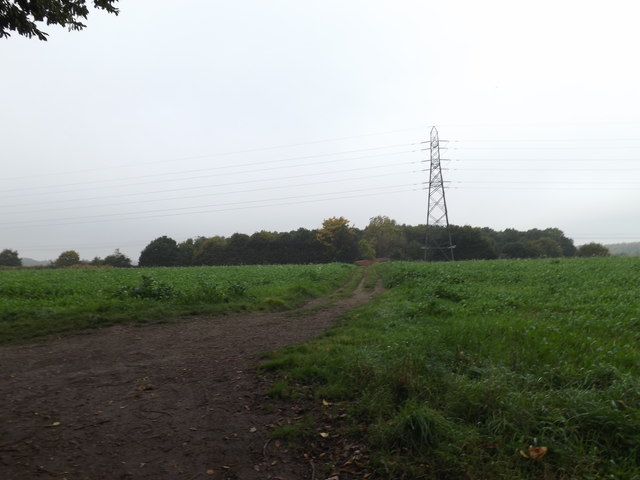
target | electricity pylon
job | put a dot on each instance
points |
(438, 235)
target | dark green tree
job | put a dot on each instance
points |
(237, 249)
(472, 244)
(97, 262)
(414, 235)
(261, 248)
(566, 245)
(10, 258)
(161, 252)
(548, 247)
(67, 259)
(187, 250)
(297, 247)
(439, 250)
(534, 243)
(117, 259)
(309, 248)
(520, 249)
(593, 250)
(23, 16)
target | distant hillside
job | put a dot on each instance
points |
(30, 262)
(631, 249)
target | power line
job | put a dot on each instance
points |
(228, 184)
(547, 182)
(229, 169)
(199, 177)
(210, 208)
(534, 139)
(537, 169)
(209, 194)
(222, 167)
(554, 160)
(218, 154)
(550, 147)
(545, 188)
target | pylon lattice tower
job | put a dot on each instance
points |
(438, 235)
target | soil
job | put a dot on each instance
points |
(155, 402)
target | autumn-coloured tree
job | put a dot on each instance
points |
(339, 238)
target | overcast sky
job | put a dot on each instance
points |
(202, 118)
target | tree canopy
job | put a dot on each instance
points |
(593, 250)
(10, 258)
(161, 252)
(67, 259)
(339, 238)
(117, 259)
(385, 236)
(24, 16)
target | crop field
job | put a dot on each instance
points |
(36, 303)
(483, 369)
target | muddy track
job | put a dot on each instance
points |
(162, 401)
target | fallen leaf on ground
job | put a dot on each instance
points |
(537, 452)
(534, 453)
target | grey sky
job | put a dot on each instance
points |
(208, 118)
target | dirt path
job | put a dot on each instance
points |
(153, 402)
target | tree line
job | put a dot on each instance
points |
(339, 241)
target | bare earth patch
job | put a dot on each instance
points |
(161, 401)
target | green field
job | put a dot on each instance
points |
(35, 303)
(460, 367)
(454, 372)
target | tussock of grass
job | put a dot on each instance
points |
(280, 390)
(460, 366)
(295, 433)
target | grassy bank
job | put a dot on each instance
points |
(502, 369)
(35, 303)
